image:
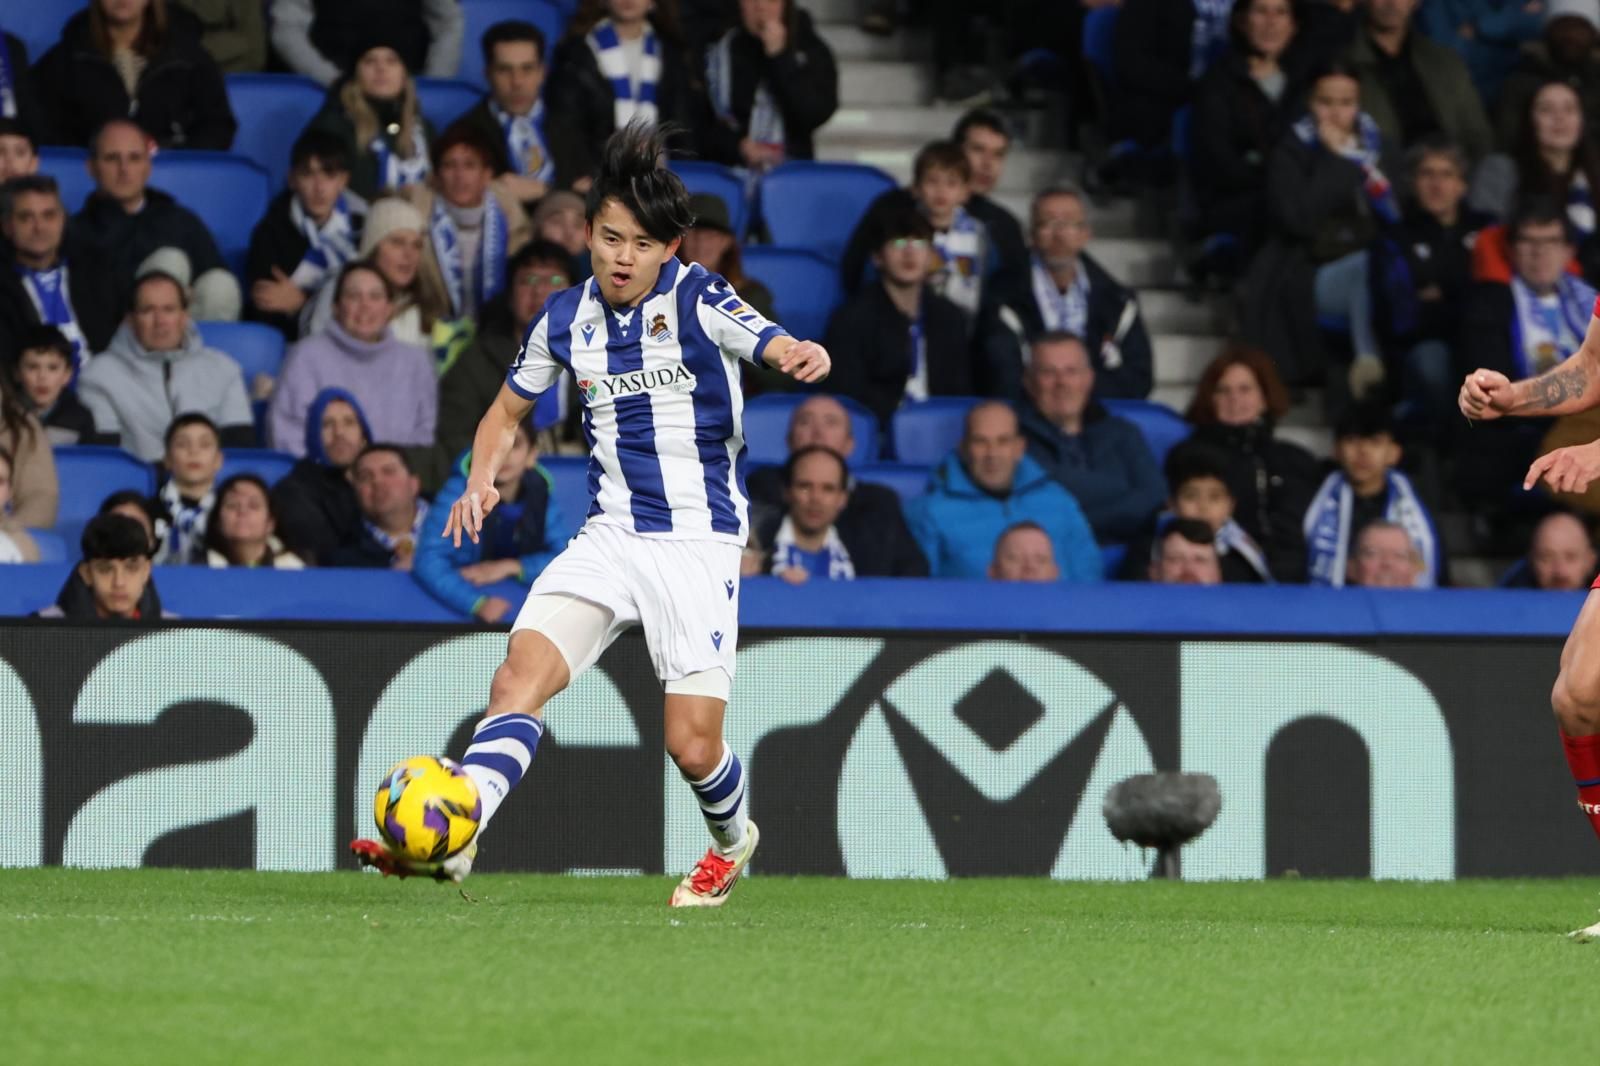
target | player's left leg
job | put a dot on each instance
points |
(1576, 702)
(694, 711)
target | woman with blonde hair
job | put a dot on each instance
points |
(375, 111)
(393, 241)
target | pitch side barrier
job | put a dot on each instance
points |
(927, 752)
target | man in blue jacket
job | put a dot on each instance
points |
(525, 531)
(1101, 459)
(988, 485)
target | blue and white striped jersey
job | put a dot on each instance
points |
(662, 408)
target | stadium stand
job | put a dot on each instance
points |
(766, 428)
(443, 100)
(551, 19)
(724, 184)
(928, 431)
(88, 473)
(70, 168)
(38, 24)
(907, 479)
(268, 465)
(816, 206)
(805, 286)
(272, 110)
(227, 191)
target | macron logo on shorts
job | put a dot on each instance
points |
(729, 586)
(716, 639)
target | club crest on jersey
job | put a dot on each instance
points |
(616, 386)
(658, 329)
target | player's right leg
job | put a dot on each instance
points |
(1576, 702)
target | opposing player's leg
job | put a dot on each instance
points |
(1576, 702)
(694, 710)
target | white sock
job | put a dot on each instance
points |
(721, 797)
(500, 753)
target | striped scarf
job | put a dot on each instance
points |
(630, 99)
(1230, 539)
(961, 253)
(467, 291)
(1062, 310)
(1580, 204)
(766, 121)
(405, 545)
(1328, 532)
(180, 544)
(1541, 335)
(786, 555)
(52, 299)
(525, 143)
(396, 172)
(1364, 153)
(329, 246)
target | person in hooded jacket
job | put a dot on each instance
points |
(315, 504)
(772, 82)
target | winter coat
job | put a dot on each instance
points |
(1150, 51)
(137, 392)
(1005, 235)
(1535, 66)
(518, 229)
(395, 383)
(69, 422)
(76, 601)
(322, 39)
(364, 176)
(124, 241)
(180, 101)
(35, 492)
(315, 503)
(957, 523)
(465, 393)
(1499, 29)
(95, 296)
(872, 525)
(30, 108)
(1452, 98)
(480, 118)
(233, 32)
(1107, 467)
(1436, 257)
(869, 339)
(277, 242)
(539, 533)
(803, 80)
(1273, 482)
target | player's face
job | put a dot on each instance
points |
(44, 375)
(626, 260)
(532, 286)
(986, 155)
(1439, 185)
(1562, 558)
(35, 226)
(1183, 562)
(194, 457)
(116, 584)
(1025, 555)
(1060, 229)
(120, 163)
(940, 192)
(1365, 460)
(1335, 101)
(1540, 254)
(1269, 26)
(342, 439)
(821, 421)
(464, 176)
(992, 447)
(17, 158)
(363, 307)
(1205, 498)
(318, 188)
(1557, 117)
(905, 260)
(245, 516)
(1238, 398)
(817, 493)
(1059, 380)
(516, 76)
(159, 318)
(381, 73)
(398, 257)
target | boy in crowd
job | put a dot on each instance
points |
(43, 374)
(193, 460)
(113, 580)
(520, 536)
(1198, 490)
(1366, 488)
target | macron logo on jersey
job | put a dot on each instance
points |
(607, 389)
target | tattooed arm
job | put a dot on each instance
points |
(1572, 386)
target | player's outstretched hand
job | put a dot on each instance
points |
(1485, 395)
(467, 513)
(1566, 469)
(806, 361)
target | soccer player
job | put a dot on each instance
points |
(1570, 386)
(654, 346)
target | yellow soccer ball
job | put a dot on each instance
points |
(427, 809)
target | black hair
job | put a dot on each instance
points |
(191, 418)
(39, 184)
(1364, 420)
(371, 267)
(631, 173)
(1193, 460)
(152, 507)
(511, 31)
(10, 127)
(318, 145)
(904, 222)
(1192, 530)
(392, 449)
(40, 338)
(979, 118)
(213, 540)
(1539, 211)
(463, 135)
(1239, 40)
(539, 250)
(159, 275)
(791, 463)
(1334, 68)
(114, 536)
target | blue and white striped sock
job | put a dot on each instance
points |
(501, 750)
(721, 796)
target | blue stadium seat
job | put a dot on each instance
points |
(256, 348)
(88, 473)
(70, 168)
(719, 181)
(53, 548)
(444, 100)
(928, 431)
(479, 15)
(1099, 36)
(805, 287)
(264, 463)
(569, 476)
(817, 205)
(1111, 557)
(227, 191)
(273, 110)
(38, 24)
(908, 480)
(766, 428)
(1161, 426)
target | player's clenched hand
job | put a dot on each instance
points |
(467, 513)
(806, 361)
(1485, 395)
(1566, 469)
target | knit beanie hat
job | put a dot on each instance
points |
(1587, 10)
(385, 216)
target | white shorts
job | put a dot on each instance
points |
(685, 593)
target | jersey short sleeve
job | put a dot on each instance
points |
(535, 369)
(733, 325)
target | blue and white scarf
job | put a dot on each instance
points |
(393, 544)
(52, 299)
(1068, 310)
(1231, 538)
(180, 542)
(1542, 334)
(766, 121)
(525, 143)
(330, 246)
(1210, 34)
(396, 172)
(961, 253)
(1328, 532)
(786, 555)
(488, 269)
(8, 85)
(1580, 204)
(1365, 153)
(633, 92)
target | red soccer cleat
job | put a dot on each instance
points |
(714, 876)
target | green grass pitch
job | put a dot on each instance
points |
(166, 966)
